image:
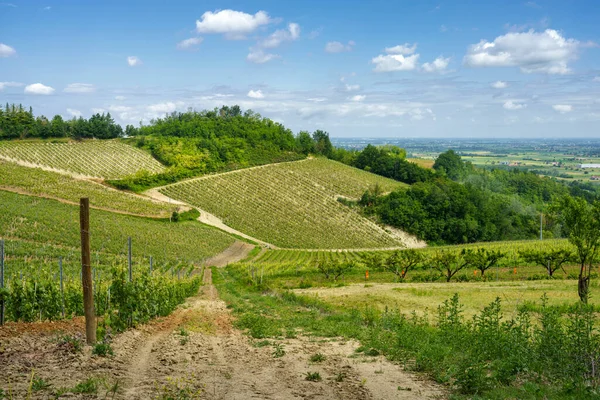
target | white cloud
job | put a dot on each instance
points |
(4, 85)
(96, 110)
(133, 61)
(120, 98)
(596, 79)
(6, 50)
(404, 49)
(438, 65)
(352, 88)
(499, 85)
(395, 62)
(280, 36)
(338, 47)
(256, 94)
(258, 56)
(190, 43)
(119, 109)
(358, 97)
(38, 88)
(511, 105)
(74, 113)
(563, 108)
(79, 88)
(163, 108)
(541, 52)
(233, 24)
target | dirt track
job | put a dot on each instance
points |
(234, 253)
(212, 360)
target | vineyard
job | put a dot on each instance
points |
(107, 159)
(285, 205)
(43, 183)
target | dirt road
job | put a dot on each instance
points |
(198, 353)
(234, 253)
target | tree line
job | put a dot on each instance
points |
(16, 122)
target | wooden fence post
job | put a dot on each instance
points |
(86, 272)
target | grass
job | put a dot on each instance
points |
(39, 231)
(288, 205)
(108, 159)
(537, 354)
(38, 182)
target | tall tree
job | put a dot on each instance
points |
(450, 163)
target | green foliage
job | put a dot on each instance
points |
(102, 349)
(448, 263)
(89, 386)
(278, 351)
(401, 262)
(313, 377)
(549, 259)
(317, 358)
(18, 123)
(38, 383)
(335, 269)
(190, 215)
(482, 258)
(450, 164)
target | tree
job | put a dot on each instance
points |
(482, 259)
(450, 163)
(305, 143)
(448, 263)
(551, 260)
(581, 222)
(323, 145)
(402, 261)
(335, 269)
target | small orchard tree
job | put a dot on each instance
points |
(335, 269)
(482, 259)
(373, 261)
(448, 263)
(402, 261)
(551, 260)
(581, 222)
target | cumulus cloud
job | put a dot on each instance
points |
(258, 56)
(133, 61)
(120, 98)
(75, 113)
(533, 52)
(38, 88)
(4, 85)
(398, 58)
(79, 88)
(190, 43)
(358, 97)
(256, 94)
(352, 88)
(233, 24)
(499, 85)
(119, 109)
(512, 105)
(438, 65)
(6, 50)
(162, 108)
(97, 110)
(404, 49)
(395, 62)
(338, 47)
(563, 108)
(282, 35)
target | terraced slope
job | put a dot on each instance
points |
(38, 182)
(287, 205)
(108, 159)
(342, 179)
(45, 222)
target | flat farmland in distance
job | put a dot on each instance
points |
(291, 205)
(105, 159)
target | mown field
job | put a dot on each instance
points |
(106, 159)
(38, 182)
(291, 205)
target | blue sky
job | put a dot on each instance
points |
(353, 68)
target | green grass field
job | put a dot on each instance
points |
(48, 222)
(288, 205)
(38, 182)
(107, 159)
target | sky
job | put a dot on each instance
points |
(470, 68)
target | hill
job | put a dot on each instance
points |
(42, 183)
(291, 205)
(107, 159)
